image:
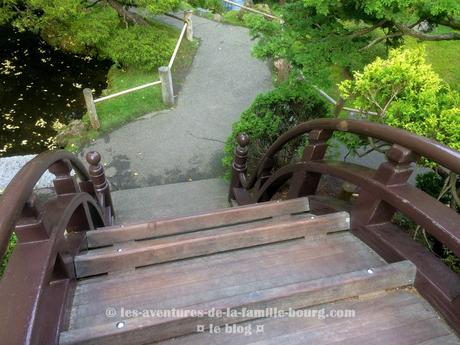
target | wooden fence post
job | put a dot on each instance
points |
(89, 100)
(166, 85)
(188, 20)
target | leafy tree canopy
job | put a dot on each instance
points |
(397, 17)
(318, 34)
(88, 27)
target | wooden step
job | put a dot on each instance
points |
(219, 276)
(173, 226)
(141, 330)
(142, 253)
(393, 317)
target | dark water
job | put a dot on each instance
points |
(39, 85)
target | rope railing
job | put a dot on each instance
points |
(176, 48)
(101, 99)
(167, 89)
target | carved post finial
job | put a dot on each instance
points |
(101, 185)
(239, 164)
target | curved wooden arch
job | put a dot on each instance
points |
(21, 187)
(430, 149)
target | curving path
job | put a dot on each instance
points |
(186, 142)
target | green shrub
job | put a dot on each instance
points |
(272, 114)
(146, 47)
(406, 93)
(216, 6)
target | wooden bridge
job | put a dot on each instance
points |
(308, 269)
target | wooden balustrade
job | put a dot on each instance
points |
(382, 193)
(40, 271)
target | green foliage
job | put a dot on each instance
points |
(141, 46)
(9, 251)
(395, 10)
(312, 42)
(216, 6)
(407, 93)
(272, 114)
(103, 28)
(432, 183)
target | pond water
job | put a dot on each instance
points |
(39, 85)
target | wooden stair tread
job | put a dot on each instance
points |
(210, 281)
(206, 220)
(394, 317)
(133, 255)
(271, 255)
(295, 295)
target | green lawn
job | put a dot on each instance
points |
(117, 111)
(444, 56)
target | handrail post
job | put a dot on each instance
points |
(239, 164)
(188, 20)
(306, 183)
(101, 185)
(369, 208)
(167, 89)
(91, 107)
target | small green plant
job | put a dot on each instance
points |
(9, 251)
(272, 114)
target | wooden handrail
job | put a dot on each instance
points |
(427, 148)
(382, 193)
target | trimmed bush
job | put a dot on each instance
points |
(272, 114)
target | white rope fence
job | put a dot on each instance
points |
(167, 90)
(176, 48)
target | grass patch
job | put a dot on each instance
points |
(9, 250)
(443, 57)
(118, 111)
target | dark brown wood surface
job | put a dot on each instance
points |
(173, 226)
(143, 253)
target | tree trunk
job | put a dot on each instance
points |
(124, 13)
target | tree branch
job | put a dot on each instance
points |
(365, 31)
(450, 22)
(380, 39)
(427, 37)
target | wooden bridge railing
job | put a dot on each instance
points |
(40, 272)
(382, 193)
